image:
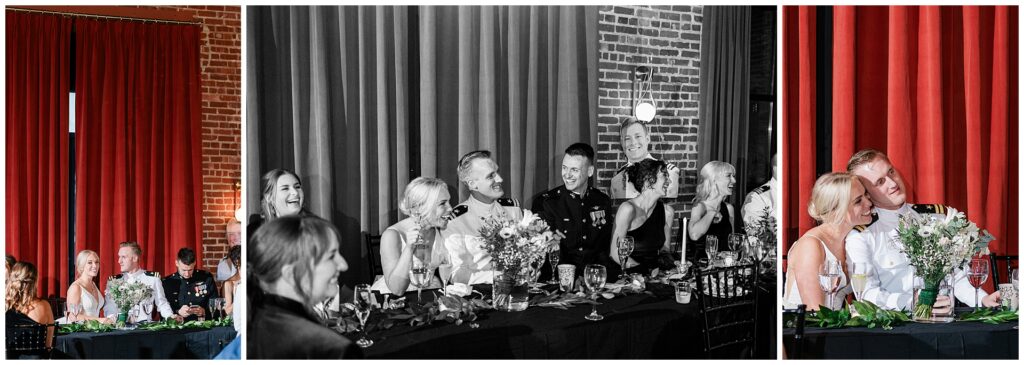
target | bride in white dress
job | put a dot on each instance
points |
(83, 291)
(426, 201)
(838, 203)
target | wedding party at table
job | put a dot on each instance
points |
(507, 182)
(123, 183)
(900, 240)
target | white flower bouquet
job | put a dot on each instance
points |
(514, 248)
(128, 294)
(937, 245)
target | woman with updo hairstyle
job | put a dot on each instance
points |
(645, 218)
(711, 214)
(83, 291)
(426, 202)
(282, 195)
(293, 263)
(23, 306)
(838, 203)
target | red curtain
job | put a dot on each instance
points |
(933, 87)
(38, 63)
(139, 147)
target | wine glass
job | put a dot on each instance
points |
(625, 248)
(736, 241)
(74, 309)
(363, 307)
(711, 248)
(859, 279)
(977, 275)
(554, 255)
(594, 277)
(419, 276)
(828, 278)
(216, 304)
(445, 270)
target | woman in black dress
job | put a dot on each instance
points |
(711, 214)
(294, 262)
(23, 306)
(644, 218)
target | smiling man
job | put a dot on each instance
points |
(472, 264)
(577, 210)
(890, 282)
(635, 141)
(128, 256)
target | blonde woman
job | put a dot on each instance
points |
(232, 283)
(426, 202)
(282, 195)
(83, 291)
(838, 203)
(711, 214)
(23, 306)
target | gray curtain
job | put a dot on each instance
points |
(361, 100)
(725, 94)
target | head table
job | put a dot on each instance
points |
(192, 343)
(638, 326)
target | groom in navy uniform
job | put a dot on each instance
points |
(577, 211)
(189, 287)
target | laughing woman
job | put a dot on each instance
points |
(644, 218)
(294, 262)
(711, 214)
(426, 203)
(282, 195)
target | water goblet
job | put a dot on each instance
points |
(419, 276)
(829, 274)
(977, 276)
(594, 277)
(625, 248)
(363, 307)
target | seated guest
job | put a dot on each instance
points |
(23, 307)
(189, 290)
(838, 203)
(762, 198)
(577, 211)
(294, 263)
(711, 215)
(225, 269)
(462, 237)
(644, 218)
(232, 283)
(83, 291)
(426, 203)
(10, 262)
(128, 259)
(282, 195)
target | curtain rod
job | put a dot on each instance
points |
(144, 20)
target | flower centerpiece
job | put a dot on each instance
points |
(513, 247)
(762, 232)
(127, 294)
(935, 246)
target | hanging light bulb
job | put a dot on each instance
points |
(645, 109)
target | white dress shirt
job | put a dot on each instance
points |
(158, 298)
(757, 200)
(470, 261)
(890, 283)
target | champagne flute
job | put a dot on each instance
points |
(859, 279)
(594, 277)
(420, 277)
(977, 276)
(625, 248)
(554, 255)
(363, 307)
(711, 248)
(445, 270)
(828, 279)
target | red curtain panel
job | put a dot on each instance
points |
(37, 87)
(934, 87)
(139, 149)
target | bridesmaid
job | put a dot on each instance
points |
(645, 218)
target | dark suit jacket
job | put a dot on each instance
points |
(281, 328)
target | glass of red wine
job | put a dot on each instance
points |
(977, 275)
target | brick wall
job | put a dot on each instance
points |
(666, 39)
(221, 65)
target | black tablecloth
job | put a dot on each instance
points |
(144, 344)
(958, 340)
(635, 326)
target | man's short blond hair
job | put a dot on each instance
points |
(864, 156)
(135, 247)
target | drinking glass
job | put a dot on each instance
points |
(363, 307)
(977, 276)
(1015, 279)
(445, 270)
(711, 248)
(736, 241)
(829, 274)
(625, 249)
(534, 269)
(594, 277)
(553, 257)
(216, 307)
(859, 279)
(419, 276)
(73, 311)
